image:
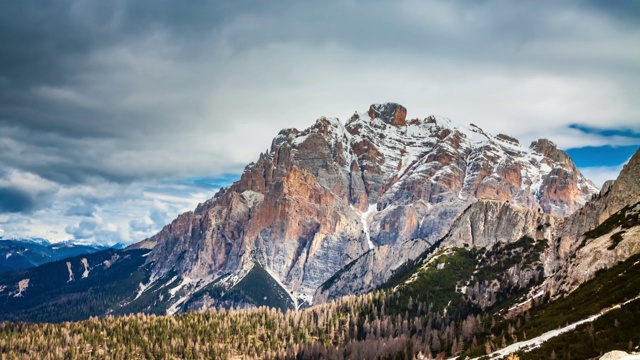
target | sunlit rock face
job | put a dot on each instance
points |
(370, 193)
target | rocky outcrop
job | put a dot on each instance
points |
(613, 241)
(290, 211)
(391, 113)
(561, 192)
(605, 232)
(488, 222)
(364, 196)
(600, 253)
(619, 355)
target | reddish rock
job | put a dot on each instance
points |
(391, 113)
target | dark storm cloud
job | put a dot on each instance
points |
(627, 11)
(14, 200)
(62, 60)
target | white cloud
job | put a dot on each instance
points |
(600, 174)
(103, 212)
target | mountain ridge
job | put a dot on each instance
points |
(24, 253)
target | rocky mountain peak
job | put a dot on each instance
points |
(322, 197)
(550, 150)
(508, 138)
(624, 190)
(391, 113)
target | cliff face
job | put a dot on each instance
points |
(615, 195)
(291, 211)
(486, 223)
(599, 235)
(370, 193)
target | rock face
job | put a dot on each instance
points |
(615, 195)
(562, 186)
(390, 113)
(488, 222)
(484, 224)
(601, 234)
(360, 198)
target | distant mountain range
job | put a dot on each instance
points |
(25, 253)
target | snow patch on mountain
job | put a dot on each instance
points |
(531, 344)
(537, 295)
(365, 225)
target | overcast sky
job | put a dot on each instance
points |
(117, 115)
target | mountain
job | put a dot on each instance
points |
(19, 254)
(75, 288)
(364, 197)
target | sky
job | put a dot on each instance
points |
(115, 116)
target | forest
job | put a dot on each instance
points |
(396, 323)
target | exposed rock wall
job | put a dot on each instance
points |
(578, 256)
(488, 222)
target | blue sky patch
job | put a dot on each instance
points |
(213, 182)
(605, 132)
(606, 155)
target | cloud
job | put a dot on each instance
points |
(201, 81)
(15, 200)
(104, 212)
(83, 230)
(600, 174)
(99, 98)
(83, 207)
(606, 131)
